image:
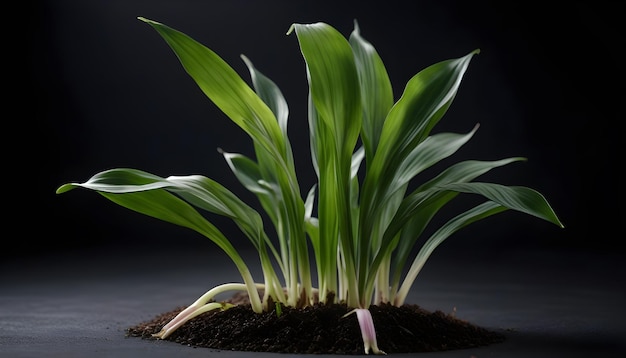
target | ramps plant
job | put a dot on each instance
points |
(362, 218)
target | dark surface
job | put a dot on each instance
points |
(550, 304)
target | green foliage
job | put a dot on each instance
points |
(362, 218)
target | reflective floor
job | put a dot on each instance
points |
(549, 304)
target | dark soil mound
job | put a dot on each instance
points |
(320, 329)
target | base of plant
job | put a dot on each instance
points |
(320, 329)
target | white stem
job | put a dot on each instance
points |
(411, 275)
(190, 312)
(342, 289)
(164, 333)
(381, 293)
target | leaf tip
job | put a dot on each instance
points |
(64, 188)
(248, 63)
(149, 22)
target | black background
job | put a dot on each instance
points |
(101, 90)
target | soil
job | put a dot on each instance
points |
(320, 329)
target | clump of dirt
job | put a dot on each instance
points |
(320, 329)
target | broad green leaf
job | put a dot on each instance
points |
(420, 206)
(248, 173)
(415, 221)
(458, 173)
(322, 147)
(411, 232)
(197, 190)
(268, 193)
(425, 100)
(270, 94)
(333, 81)
(475, 214)
(224, 87)
(273, 97)
(244, 107)
(518, 198)
(431, 151)
(466, 171)
(335, 95)
(317, 139)
(161, 204)
(376, 90)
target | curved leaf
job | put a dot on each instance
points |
(417, 208)
(270, 94)
(518, 198)
(376, 90)
(334, 83)
(225, 88)
(431, 151)
(335, 122)
(425, 100)
(197, 190)
(477, 213)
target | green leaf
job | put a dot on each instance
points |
(428, 153)
(336, 123)
(244, 107)
(225, 88)
(376, 90)
(160, 198)
(197, 190)
(425, 100)
(518, 198)
(249, 174)
(269, 92)
(417, 208)
(273, 97)
(269, 194)
(333, 81)
(414, 218)
(475, 214)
